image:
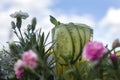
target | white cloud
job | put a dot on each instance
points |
(4, 28)
(109, 25)
(111, 18)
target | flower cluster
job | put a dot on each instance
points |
(29, 59)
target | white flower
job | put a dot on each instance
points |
(21, 14)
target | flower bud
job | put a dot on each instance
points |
(114, 60)
(13, 25)
(13, 48)
(116, 43)
(33, 23)
(29, 27)
(113, 57)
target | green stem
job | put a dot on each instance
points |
(16, 33)
(35, 73)
(21, 34)
(117, 74)
(101, 73)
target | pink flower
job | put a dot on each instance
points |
(18, 68)
(93, 51)
(30, 59)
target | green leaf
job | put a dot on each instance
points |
(54, 21)
(46, 38)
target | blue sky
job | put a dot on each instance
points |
(98, 8)
(102, 15)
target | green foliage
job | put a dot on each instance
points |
(49, 66)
